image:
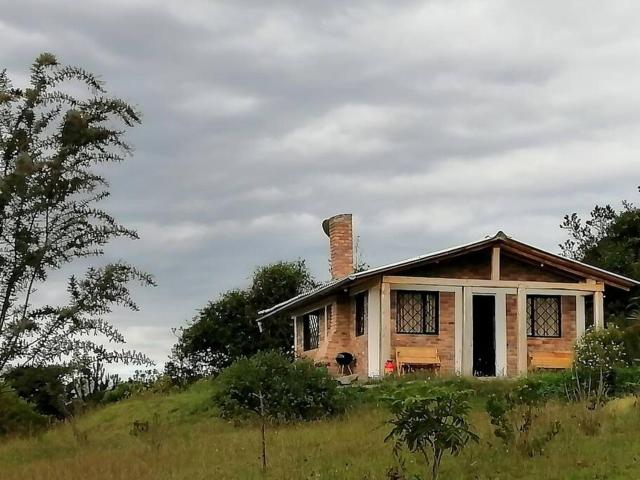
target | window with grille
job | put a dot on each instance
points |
(543, 316)
(417, 312)
(311, 331)
(361, 313)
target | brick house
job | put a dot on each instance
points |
(486, 307)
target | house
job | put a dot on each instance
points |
(487, 308)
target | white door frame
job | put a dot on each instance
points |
(500, 295)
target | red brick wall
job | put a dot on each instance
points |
(564, 343)
(444, 341)
(567, 330)
(341, 245)
(512, 335)
(340, 337)
(475, 265)
(359, 343)
(514, 269)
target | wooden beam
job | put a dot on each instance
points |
(598, 309)
(385, 323)
(467, 333)
(458, 282)
(580, 315)
(521, 322)
(562, 264)
(495, 263)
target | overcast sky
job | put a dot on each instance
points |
(434, 123)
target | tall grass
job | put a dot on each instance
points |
(187, 441)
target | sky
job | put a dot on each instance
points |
(435, 123)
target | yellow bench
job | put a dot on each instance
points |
(550, 360)
(417, 356)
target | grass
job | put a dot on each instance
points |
(187, 441)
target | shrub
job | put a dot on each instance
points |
(431, 424)
(625, 381)
(288, 390)
(600, 350)
(16, 415)
(514, 417)
(43, 387)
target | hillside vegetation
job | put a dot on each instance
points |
(186, 440)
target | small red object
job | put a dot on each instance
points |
(389, 367)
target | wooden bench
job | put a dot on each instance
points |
(550, 360)
(416, 356)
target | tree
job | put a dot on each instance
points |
(51, 145)
(221, 332)
(608, 239)
(43, 387)
(89, 379)
(227, 329)
(272, 284)
(431, 424)
(271, 387)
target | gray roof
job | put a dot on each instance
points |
(334, 285)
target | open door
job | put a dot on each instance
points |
(484, 335)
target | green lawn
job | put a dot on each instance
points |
(187, 441)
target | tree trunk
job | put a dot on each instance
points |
(263, 433)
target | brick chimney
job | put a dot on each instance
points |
(339, 229)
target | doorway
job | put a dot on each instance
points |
(484, 335)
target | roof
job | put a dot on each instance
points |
(610, 278)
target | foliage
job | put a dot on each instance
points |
(608, 239)
(599, 352)
(431, 425)
(16, 415)
(514, 415)
(623, 381)
(289, 390)
(227, 329)
(52, 146)
(272, 284)
(141, 381)
(196, 443)
(43, 387)
(221, 332)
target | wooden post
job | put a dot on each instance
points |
(495, 263)
(598, 309)
(467, 333)
(522, 331)
(385, 324)
(459, 330)
(375, 361)
(295, 335)
(580, 316)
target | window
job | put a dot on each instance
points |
(361, 313)
(311, 331)
(543, 316)
(417, 312)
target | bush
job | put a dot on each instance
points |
(16, 415)
(42, 387)
(624, 381)
(514, 417)
(600, 351)
(269, 384)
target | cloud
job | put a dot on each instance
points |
(435, 123)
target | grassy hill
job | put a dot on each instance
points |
(186, 440)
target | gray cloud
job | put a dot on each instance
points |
(435, 123)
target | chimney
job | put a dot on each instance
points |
(340, 232)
